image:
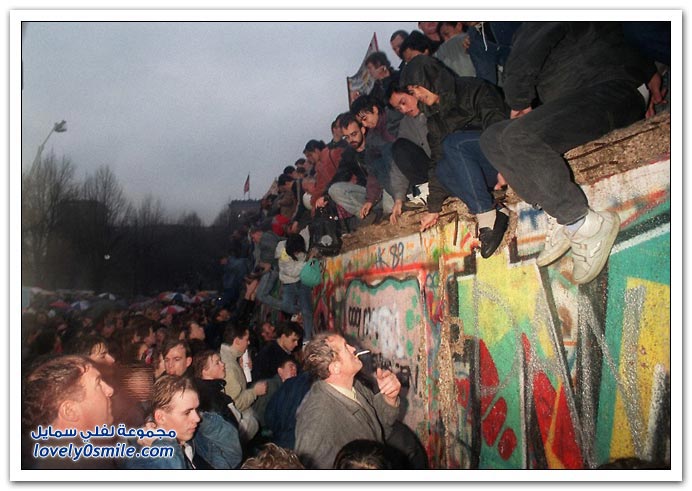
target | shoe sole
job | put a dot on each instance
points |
(546, 259)
(608, 241)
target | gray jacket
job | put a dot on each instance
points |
(327, 420)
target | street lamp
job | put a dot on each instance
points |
(60, 127)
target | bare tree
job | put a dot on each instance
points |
(44, 187)
(223, 219)
(190, 219)
(99, 227)
(103, 187)
(145, 223)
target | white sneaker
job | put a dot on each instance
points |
(591, 244)
(422, 197)
(556, 243)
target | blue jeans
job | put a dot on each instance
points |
(265, 287)
(295, 297)
(298, 297)
(486, 61)
(466, 172)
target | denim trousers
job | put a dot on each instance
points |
(466, 172)
(295, 297)
(265, 287)
(351, 197)
(528, 150)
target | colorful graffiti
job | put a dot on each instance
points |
(511, 366)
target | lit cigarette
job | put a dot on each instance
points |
(365, 351)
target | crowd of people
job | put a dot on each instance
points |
(185, 392)
(472, 107)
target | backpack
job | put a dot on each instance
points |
(325, 230)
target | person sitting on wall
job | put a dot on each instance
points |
(458, 109)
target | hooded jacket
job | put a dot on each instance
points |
(465, 104)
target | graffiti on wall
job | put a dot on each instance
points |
(513, 366)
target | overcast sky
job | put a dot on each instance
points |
(185, 111)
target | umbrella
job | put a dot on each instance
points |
(80, 305)
(172, 309)
(35, 290)
(59, 304)
(106, 295)
(199, 298)
(141, 303)
(181, 297)
(175, 297)
(165, 296)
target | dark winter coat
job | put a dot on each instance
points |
(465, 103)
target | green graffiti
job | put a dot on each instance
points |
(409, 348)
(410, 316)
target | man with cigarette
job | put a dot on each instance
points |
(338, 409)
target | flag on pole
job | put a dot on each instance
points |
(246, 188)
(361, 83)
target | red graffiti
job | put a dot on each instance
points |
(494, 421)
(507, 444)
(492, 424)
(550, 405)
(463, 391)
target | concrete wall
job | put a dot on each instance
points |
(512, 366)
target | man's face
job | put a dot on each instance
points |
(288, 343)
(428, 28)
(396, 45)
(215, 369)
(268, 332)
(223, 314)
(182, 416)
(346, 357)
(99, 354)
(447, 32)
(241, 344)
(160, 335)
(175, 361)
(369, 119)
(287, 370)
(107, 330)
(423, 95)
(377, 72)
(196, 331)
(354, 135)
(150, 340)
(95, 407)
(312, 156)
(405, 103)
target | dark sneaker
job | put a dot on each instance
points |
(491, 238)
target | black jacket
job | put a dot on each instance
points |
(213, 398)
(466, 103)
(550, 59)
